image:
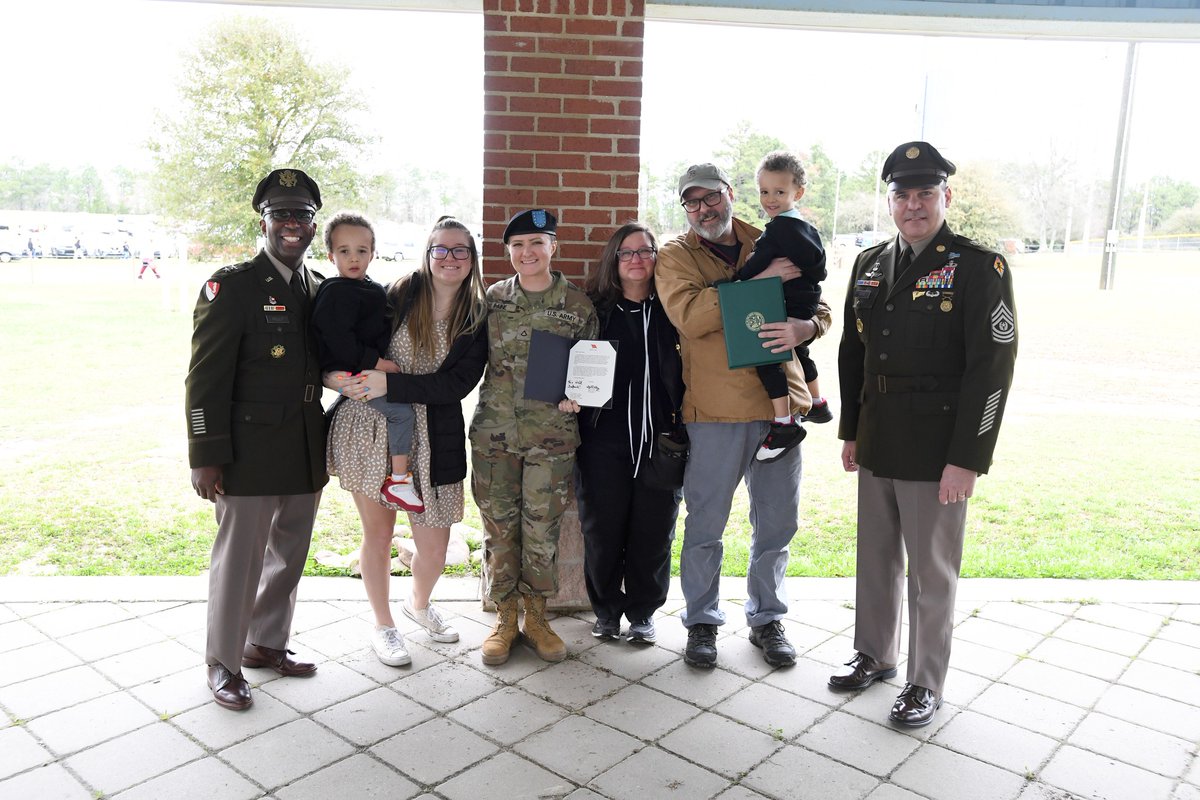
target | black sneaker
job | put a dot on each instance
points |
(781, 437)
(777, 650)
(701, 648)
(641, 631)
(606, 629)
(819, 413)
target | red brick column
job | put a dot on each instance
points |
(562, 93)
(562, 101)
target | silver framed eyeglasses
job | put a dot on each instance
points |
(643, 253)
(459, 253)
(711, 199)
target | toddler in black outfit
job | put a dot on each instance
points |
(353, 333)
(781, 181)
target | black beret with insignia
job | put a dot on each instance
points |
(287, 187)
(535, 220)
(915, 164)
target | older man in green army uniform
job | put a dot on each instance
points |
(926, 362)
(256, 437)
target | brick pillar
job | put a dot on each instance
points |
(562, 93)
(562, 121)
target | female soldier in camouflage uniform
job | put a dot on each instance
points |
(522, 450)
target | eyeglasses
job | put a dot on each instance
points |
(643, 253)
(710, 199)
(301, 215)
(459, 253)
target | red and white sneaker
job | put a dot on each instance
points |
(402, 493)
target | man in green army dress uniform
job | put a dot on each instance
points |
(256, 437)
(925, 363)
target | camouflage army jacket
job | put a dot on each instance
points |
(504, 419)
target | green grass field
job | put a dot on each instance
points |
(1097, 474)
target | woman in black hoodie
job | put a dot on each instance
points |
(628, 522)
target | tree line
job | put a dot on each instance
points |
(1042, 203)
(252, 98)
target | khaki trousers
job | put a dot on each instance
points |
(895, 518)
(257, 560)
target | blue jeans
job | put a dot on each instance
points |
(722, 453)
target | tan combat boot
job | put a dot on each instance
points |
(499, 641)
(538, 632)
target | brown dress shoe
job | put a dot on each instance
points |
(229, 690)
(279, 660)
(915, 706)
(863, 671)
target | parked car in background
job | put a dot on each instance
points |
(105, 244)
(12, 246)
(870, 238)
(396, 249)
(61, 244)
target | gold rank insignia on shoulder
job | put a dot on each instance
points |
(277, 351)
(912, 152)
(288, 178)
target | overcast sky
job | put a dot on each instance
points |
(83, 81)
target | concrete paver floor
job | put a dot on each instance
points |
(1058, 689)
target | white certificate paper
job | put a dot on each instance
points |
(590, 369)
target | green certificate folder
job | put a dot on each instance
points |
(745, 306)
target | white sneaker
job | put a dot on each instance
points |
(431, 620)
(389, 647)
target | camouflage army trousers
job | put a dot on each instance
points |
(521, 501)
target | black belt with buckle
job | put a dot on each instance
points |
(275, 394)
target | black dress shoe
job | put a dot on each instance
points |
(279, 660)
(701, 650)
(229, 690)
(777, 650)
(915, 706)
(863, 671)
(606, 629)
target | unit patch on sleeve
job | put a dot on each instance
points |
(1004, 326)
(211, 288)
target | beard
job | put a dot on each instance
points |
(714, 223)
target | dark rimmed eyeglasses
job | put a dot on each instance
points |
(644, 253)
(711, 199)
(301, 215)
(459, 253)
